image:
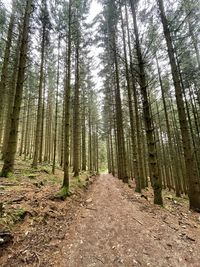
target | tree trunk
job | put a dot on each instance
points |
(76, 122)
(193, 181)
(4, 71)
(39, 109)
(153, 165)
(13, 134)
(56, 110)
(67, 102)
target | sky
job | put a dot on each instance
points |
(94, 10)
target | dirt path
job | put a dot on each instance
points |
(118, 230)
(105, 225)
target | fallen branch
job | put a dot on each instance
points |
(38, 258)
(98, 259)
(17, 199)
(88, 208)
(137, 221)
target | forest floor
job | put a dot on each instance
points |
(103, 223)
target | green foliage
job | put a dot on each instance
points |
(63, 193)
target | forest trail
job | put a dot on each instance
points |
(102, 224)
(117, 229)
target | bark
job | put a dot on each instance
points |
(67, 102)
(193, 181)
(153, 165)
(83, 135)
(76, 125)
(137, 120)
(172, 158)
(13, 134)
(11, 96)
(56, 109)
(130, 106)
(4, 71)
(39, 109)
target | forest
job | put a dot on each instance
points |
(99, 133)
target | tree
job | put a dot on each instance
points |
(153, 165)
(13, 131)
(193, 181)
(45, 24)
(67, 97)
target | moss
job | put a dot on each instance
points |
(78, 179)
(32, 176)
(20, 214)
(63, 193)
(6, 175)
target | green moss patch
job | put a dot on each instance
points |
(63, 193)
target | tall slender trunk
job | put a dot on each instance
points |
(76, 122)
(13, 134)
(4, 71)
(130, 106)
(135, 97)
(122, 167)
(193, 181)
(56, 110)
(39, 109)
(172, 158)
(27, 131)
(83, 154)
(11, 96)
(67, 101)
(151, 144)
(90, 141)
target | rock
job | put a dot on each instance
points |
(89, 200)
(26, 233)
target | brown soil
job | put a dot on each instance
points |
(108, 225)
